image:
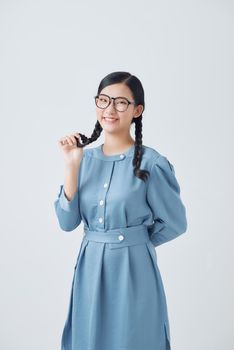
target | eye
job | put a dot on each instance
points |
(103, 99)
(123, 102)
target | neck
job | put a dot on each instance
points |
(117, 144)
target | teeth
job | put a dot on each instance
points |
(110, 119)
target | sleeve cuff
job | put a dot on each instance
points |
(159, 233)
(162, 237)
(65, 203)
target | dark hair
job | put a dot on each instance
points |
(137, 90)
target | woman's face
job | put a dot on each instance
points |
(120, 121)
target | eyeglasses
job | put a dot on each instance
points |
(121, 103)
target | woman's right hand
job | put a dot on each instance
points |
(71, 153)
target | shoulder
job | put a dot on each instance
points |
(88, 151)
(157, 159)
(150, 153)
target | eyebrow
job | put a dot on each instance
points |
(128, 98)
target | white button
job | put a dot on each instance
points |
(121, 155)
(100, 219)
(105, 184)
(121, 237)
(101, 202)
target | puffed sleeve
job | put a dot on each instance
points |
(163, 196)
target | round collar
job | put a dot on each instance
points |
(98, 152)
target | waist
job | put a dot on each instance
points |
(120, 237)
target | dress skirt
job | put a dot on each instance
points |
(117, 299)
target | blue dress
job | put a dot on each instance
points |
(117, 299)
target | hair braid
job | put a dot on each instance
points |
(95, 135)
(142, 174)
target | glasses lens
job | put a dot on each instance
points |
(102, 101)
(121, 104)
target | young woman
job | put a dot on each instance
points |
(128, 198)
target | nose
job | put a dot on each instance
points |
(111, 106)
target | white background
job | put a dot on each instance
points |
(53, 56)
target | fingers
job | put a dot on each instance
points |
(69, 139)
(75, 138)
(72, 137)
(65, 141)
(77, 134)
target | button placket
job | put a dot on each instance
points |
(102, 206)
(102, 197)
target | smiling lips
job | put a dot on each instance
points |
(110, 120)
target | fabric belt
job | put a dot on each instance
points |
(120, 237)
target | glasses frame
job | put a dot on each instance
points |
(114, 98)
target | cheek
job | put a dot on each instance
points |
(99, 113)
(126, 120)
(124, 124)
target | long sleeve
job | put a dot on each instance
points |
(163, 196)
(68, 212)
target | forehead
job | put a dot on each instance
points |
(115, 90)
